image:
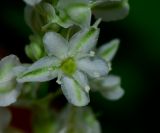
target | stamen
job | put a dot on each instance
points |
(87, 88)
(59, 82)
(59, 78)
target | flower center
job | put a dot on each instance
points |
(68, 66)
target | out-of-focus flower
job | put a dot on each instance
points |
(9, 88)
(71, 62)
(110, 85)
(110, 10)
(77, 120)
(32, 2)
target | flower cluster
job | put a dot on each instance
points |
(63, 47)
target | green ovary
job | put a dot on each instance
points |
(68, 66)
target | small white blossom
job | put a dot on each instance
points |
(77, 120)
(110, 10)
(71, 62)
(76, 12)
(110, 85)
(9, 88)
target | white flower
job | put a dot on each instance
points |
(110, 10)
(109, 86)
(77, 120)
(9, 88)
(70, 62)
(76, 12)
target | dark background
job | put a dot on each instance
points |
(137, 62)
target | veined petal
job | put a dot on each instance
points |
(20, 69)
(32, 2)
(82, 80)
(10, 96)
(108, 50)
(7, 85)
(84, 40)
(93, 67)
(113, 94)
(5, 116)
(44, 69)
(74, 92)
(6, 66)
(55, 44)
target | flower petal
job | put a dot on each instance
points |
(84, 40)
(111, 81)
(76, 11)
(44, 69)
(83, 119)
(114, 94)
(10, 96)
(93, 67)
(74, 92)
(111, 10)
(32, 2)
(82, 80)
(108, 50)
(108, 86)
(7, 85)
(47, 11)
(20, 69)
(6, 66)
(55, 44)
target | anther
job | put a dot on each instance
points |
(87, 88)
